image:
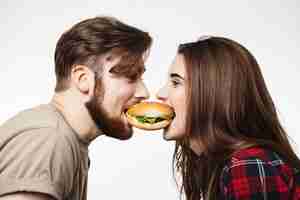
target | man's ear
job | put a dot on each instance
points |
(83, 79)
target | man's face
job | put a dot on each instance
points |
(112, 96)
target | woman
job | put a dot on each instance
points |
(229, 141)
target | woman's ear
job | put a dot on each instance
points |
(83, 79)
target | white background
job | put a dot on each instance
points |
(141, 167)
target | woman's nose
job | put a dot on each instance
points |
(162, 94)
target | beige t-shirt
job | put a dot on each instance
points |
(39, 152)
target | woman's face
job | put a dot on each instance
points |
(174, 94)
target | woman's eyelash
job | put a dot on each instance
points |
(175, 83)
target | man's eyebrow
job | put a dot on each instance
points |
(175, 75)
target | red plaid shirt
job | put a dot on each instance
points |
(259, 173)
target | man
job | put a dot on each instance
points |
(44, 151)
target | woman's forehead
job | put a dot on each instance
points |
(178, 66)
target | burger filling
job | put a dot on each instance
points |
(150, 120)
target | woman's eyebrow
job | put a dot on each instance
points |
(175, 75)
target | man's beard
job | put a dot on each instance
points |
(111, 126)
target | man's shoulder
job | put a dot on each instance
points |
(41, 116)
(40, 121)
(38, 126)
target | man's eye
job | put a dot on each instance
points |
(132, 80)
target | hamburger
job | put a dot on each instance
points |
(150, 115)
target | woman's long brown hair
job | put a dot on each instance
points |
(229, 108)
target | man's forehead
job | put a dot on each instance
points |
(124, 63)
(110, 60)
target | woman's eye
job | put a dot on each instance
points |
(175, 83)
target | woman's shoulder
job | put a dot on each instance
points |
(263, 154)
(258, 161)
(256, 155)
(258, 171)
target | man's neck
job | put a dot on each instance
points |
(77, 115)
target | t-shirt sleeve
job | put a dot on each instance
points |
(252, 179)
(37, 160)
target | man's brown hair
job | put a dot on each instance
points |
(88, 40)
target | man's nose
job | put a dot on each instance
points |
(142, 91)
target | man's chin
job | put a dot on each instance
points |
(126, 132)
(125, 136)
(117, 128)
(121, 135)
(120, 129)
